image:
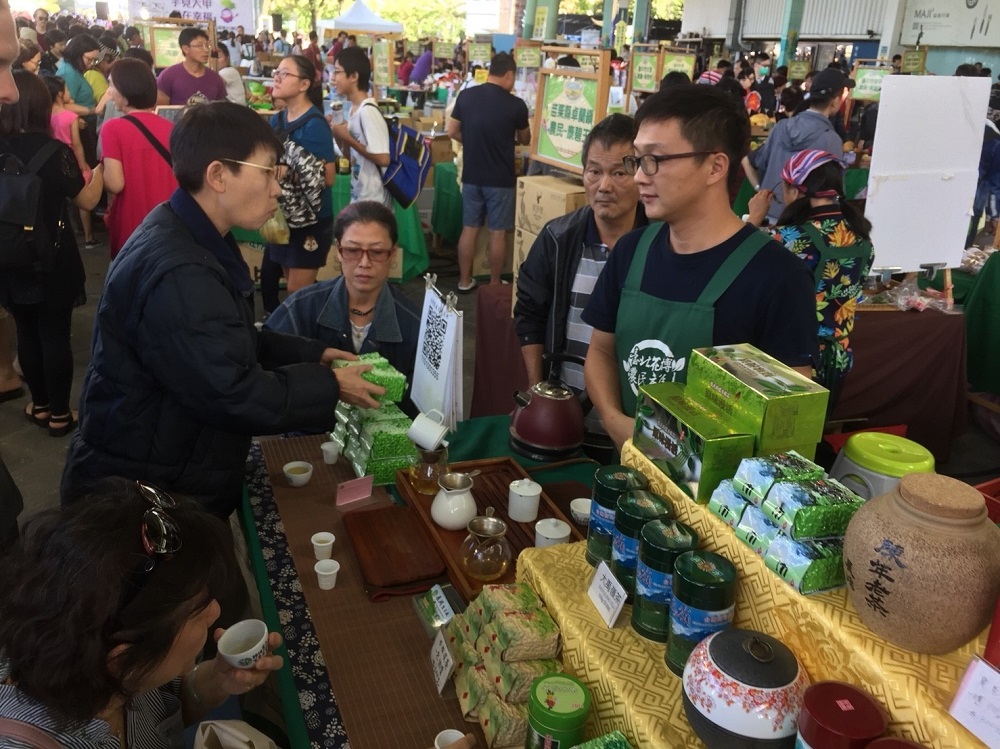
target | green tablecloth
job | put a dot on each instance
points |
(446, 216)
(855, 181)
(411, 233)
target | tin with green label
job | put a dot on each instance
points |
(610, 482)
(635, 509)
(558, 708)
(660, 543)
(703, 602)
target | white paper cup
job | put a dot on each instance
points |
(244, 643)
(522, 500)
(428, 430)
(326, 572)
(447, 738)
(323, 544)
(551, 531)
(331, 452)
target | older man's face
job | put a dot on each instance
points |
(8, 54)
(41, 20)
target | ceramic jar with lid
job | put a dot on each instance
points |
(660, 543)
(703, 602)
(923, 563)
(744, 690)
(635, 509)
(836, 715)
(610, 482)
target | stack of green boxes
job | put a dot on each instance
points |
(382, 373)
(737, 402)
(785, 509)
(374, 440)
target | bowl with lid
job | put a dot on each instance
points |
(744, 690)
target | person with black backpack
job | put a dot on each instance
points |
(41, 272)
(306, 198)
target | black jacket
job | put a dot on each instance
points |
(179, 378)
(545, 279)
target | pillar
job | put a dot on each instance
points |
(552, 20)
(640, 21)
(791, 25)
(892, 28)
(608, 24)
(528, 28)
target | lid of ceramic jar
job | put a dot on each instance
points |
(891, 742)
(663, 540)
(888, 454)
(638, 507)
(704, 580)
(753, 658)
(942, 496)
(836, 715)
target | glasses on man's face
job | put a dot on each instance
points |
(40, 19)
(160, 536)
(353, 253)
(201, 46)
(278, 171)
(339, 71)
(650, 162)
(280, 75)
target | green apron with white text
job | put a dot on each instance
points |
(654, 337)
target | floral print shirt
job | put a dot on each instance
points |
(839, 282)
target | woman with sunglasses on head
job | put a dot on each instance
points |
(106, 658)
(29, 57)
(359, 310)
(301, 122)
(180, 379)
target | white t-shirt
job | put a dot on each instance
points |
(235, 91)
(368, 127)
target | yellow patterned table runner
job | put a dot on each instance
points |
(635, 692)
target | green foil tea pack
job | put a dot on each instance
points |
(757, 394)
(808, 566)
(727, 504)
(613, 740)
(685, 440)
(819, 508)
(755, 476)
(755, 530)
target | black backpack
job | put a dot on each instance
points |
(25, 244)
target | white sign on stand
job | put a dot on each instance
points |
(977, 702)
(442, 661)
(437, 372)
(924, 169)
(607, 594)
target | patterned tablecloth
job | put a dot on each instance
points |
(635, 692)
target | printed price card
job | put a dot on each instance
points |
(977, 702)
(442, 662)
(607, 594)
(442, 609)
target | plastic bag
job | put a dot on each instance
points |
(275, 230)
(230, 734)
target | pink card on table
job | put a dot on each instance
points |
(354, 491)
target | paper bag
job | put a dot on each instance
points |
(230, 734)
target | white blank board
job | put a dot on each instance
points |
(925, 166)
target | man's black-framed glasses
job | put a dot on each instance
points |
(650, 162)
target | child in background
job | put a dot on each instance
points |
(66, 124)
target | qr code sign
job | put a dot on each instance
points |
(437, 327)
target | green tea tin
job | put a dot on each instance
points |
(660, 543)
(610, 482)
(635, 509)
(703, 602)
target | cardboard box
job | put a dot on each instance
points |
(541, 199)
(523, 240)
(685, 440)
(757, 394)
(441, 150)
(481, 260)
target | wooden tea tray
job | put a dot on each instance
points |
(490, 489)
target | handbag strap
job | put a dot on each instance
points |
(285, 129)
(152, 140)
(31, 735)
(43, 155)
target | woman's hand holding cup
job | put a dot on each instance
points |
(234, 680)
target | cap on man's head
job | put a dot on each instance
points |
(829, 82)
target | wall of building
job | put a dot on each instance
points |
(710, 17)
(821, 19)
(944, 60)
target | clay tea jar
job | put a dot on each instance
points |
(923, 563)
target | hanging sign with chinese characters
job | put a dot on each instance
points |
(645, 71)
(226, 13)
(567, 118)
(382, 68)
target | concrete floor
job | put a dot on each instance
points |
(36, 460)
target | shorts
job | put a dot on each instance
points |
(309, 246)
(495, 204)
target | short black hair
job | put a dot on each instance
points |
(217, 131)
(709, 119)
(189, 34)
(313, 36)
(138, 53)
(131, 31)
(762, 57)
(354, 60)
(723, 63)
(32, 112)
(134, 80)
(56, 85)
(54, 36)
(674, 78)
(501, 64)
(366, 212)
(611, 131)
(103, 590)
(77, 47)
(897, 57)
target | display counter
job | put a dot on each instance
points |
(635, 692)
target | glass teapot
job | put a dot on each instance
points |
(486, 553)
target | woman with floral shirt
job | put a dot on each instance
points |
(834, 239)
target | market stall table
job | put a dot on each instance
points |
(635, 692)
(355, 669)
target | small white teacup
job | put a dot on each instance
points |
(244, 643)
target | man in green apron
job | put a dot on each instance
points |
(702, 277)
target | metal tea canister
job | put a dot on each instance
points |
(704, 598)
(660, 543)
(610, 482)
(558, 707)
(635, 509)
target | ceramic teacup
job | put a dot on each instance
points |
(244, 643)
